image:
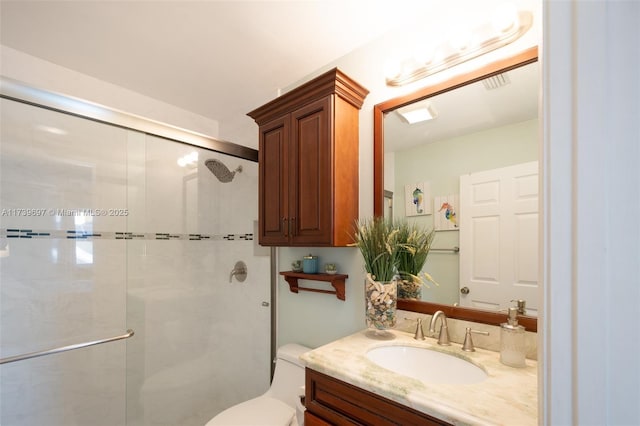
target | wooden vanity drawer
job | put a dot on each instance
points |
(334, 402)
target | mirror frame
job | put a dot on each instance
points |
(469, 314)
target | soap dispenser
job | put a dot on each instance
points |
(512, 344)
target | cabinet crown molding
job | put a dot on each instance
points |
(331, 82)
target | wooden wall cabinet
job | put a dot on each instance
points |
(330, 401)
(308, 163)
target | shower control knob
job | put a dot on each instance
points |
(464, 290)
(239, 271)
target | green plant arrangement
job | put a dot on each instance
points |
(376, 239)
(414, 244)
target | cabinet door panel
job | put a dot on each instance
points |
(273, 197)
(311, 174)
(339, 403)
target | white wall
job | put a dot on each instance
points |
(590, 373)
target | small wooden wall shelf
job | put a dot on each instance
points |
(336, 280)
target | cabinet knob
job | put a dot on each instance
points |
(285, 226)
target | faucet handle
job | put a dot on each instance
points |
(419, 334)
(467, 346)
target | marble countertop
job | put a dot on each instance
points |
(508, 396)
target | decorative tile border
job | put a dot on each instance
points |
(85, 235)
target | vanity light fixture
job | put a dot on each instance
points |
(413, 115)
(506, 26)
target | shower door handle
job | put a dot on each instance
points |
(65, 348)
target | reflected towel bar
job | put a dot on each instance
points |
(65, 348)
(454, 250)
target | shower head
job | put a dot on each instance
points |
(221, 171)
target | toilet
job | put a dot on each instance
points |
(280, 405)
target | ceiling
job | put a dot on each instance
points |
(469, 109)
(218, 59)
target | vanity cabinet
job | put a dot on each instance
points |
(330, 401)
(308, 163)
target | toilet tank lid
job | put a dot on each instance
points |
(291, 352)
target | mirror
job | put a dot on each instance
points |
(445, 141)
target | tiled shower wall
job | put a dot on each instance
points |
(102, 231)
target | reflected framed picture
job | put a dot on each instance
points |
(417, 199)
(446, 213)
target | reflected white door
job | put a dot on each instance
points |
(499, 237)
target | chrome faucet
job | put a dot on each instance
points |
(443, 336)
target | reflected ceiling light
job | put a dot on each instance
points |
(188, 159)
(4, 247)
(416, 115)
(51, 129)
(506, 26)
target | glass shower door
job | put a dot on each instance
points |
(58, 285)
(105, 229)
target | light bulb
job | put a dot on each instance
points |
(504, 18)
(392, 69)
(425, 55)
(460, 39)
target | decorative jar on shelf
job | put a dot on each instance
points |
(310, 264)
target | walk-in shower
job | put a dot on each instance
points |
(114, 262)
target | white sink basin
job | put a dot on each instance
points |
(426, 365)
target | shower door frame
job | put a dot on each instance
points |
(16, 91)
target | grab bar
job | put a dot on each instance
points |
(454, 250)
(65, 348)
